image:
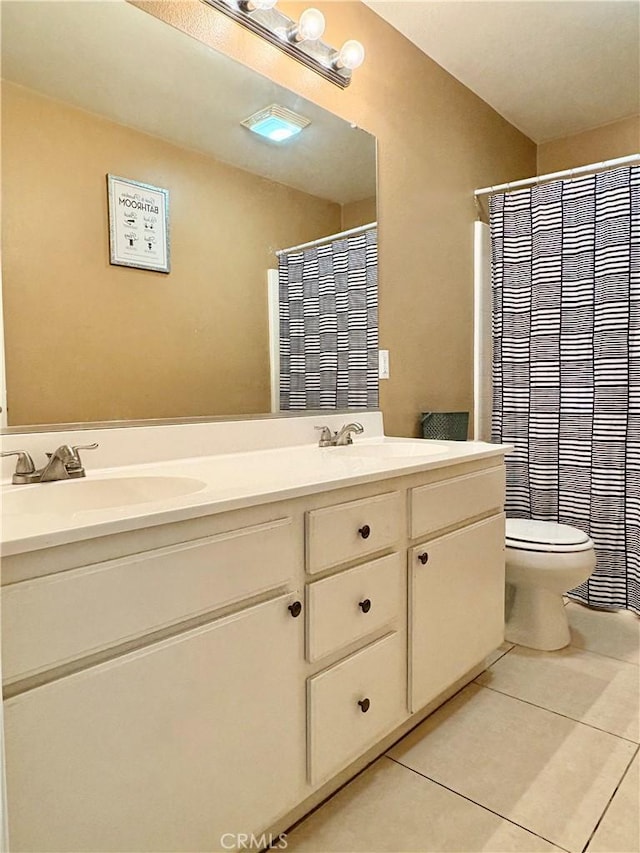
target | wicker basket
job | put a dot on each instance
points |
(446, 426)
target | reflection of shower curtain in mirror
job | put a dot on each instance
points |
(329, 325)
(566, 369)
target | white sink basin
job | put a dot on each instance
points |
(394, 449)
(72, 496)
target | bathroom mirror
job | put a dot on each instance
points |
(103, 88)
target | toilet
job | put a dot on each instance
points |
(543, 561)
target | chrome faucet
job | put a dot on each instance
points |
(64, 464)
(339, 438)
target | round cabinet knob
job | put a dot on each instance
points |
(365, 704)
(424, 558)
(365, 605)
(295, 609)
(365, 531)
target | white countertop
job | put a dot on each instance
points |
(229, 481)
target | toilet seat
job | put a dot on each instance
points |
(545, 537)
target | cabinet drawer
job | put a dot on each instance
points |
(347, 531)
(440, 505)
(56, 619)
(345, 607)
(340, 728)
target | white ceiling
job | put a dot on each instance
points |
(115, 60)
(550, 67)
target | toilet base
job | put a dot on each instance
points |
(536, 618)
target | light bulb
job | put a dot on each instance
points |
(351, 55)
(263, 5)
(311, 25)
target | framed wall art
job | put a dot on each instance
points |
(138, 225)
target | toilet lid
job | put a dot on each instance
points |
(545, 536)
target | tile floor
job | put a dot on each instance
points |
(540, 753)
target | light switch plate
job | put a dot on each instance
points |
(383, 364)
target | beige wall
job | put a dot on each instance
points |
(358, 213)
(592, 146)
(89, 341)
(437, 142)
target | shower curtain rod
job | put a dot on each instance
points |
(554, 176)
(328, 239)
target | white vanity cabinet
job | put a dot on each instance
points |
(166, 748)
(215, 677)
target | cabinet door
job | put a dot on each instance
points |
(166, 748)
(456, 606)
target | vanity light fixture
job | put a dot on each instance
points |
(300, 39)
(276, 123)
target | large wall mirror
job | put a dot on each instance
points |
(97, 88)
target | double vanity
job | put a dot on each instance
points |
(223, 622)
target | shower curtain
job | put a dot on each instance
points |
(566, 365)
(329, 325)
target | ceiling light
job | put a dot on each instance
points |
(276, 123)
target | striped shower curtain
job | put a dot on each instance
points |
(566, 365)
(329, 325)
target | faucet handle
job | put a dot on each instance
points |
(77, 447)
(64, 453)
(69, 455)
(76, 462)
(326, 438)
(24, 465)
